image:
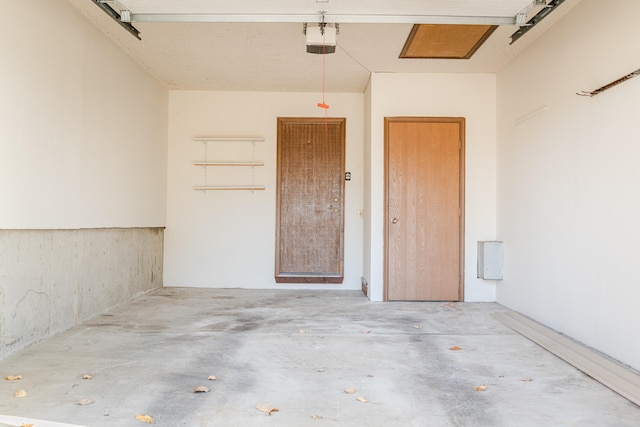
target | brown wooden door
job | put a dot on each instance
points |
(310, 200)
(424, 207)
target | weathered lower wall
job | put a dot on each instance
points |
(50, 280)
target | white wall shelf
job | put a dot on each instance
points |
(228, 138)
(228, 163)
(203, 188)
(205, 163)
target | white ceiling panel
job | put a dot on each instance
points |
(268, 56)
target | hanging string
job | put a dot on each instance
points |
(323, 104)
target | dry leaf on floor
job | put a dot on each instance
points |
(266, 409)
(20, 393)
(316, 417)
(201, 389)
(455, 348)
(417, 326)
(14, 377)
(26, 425)
(526, 379)
(212, 378)
(365, 331)
(87, 377)
(362, 399)
(350, 390)
(144, 418)
(84, 402)
(302, 331)
(481, 388)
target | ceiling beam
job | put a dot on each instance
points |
(328, 17)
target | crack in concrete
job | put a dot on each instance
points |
(24, 297)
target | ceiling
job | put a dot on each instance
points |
(258, 45)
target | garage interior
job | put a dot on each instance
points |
(120, 259)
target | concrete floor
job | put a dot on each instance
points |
(298, 351)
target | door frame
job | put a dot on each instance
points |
(412, 119)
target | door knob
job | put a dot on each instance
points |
(394, 221)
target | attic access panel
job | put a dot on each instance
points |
(445, 41)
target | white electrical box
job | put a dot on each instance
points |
(490, 260)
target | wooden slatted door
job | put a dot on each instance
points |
(310, 200)
(424, 208)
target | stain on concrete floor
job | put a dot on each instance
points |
(147, 357)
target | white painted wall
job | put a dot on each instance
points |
(82, 127)
(83, 133)
(227, 238)
(437, 95)
(568, 203)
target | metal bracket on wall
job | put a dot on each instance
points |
(102, 4)
(550, 7)
(631, 75)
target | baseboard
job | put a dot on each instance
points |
(365, 286)
(618, 377)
